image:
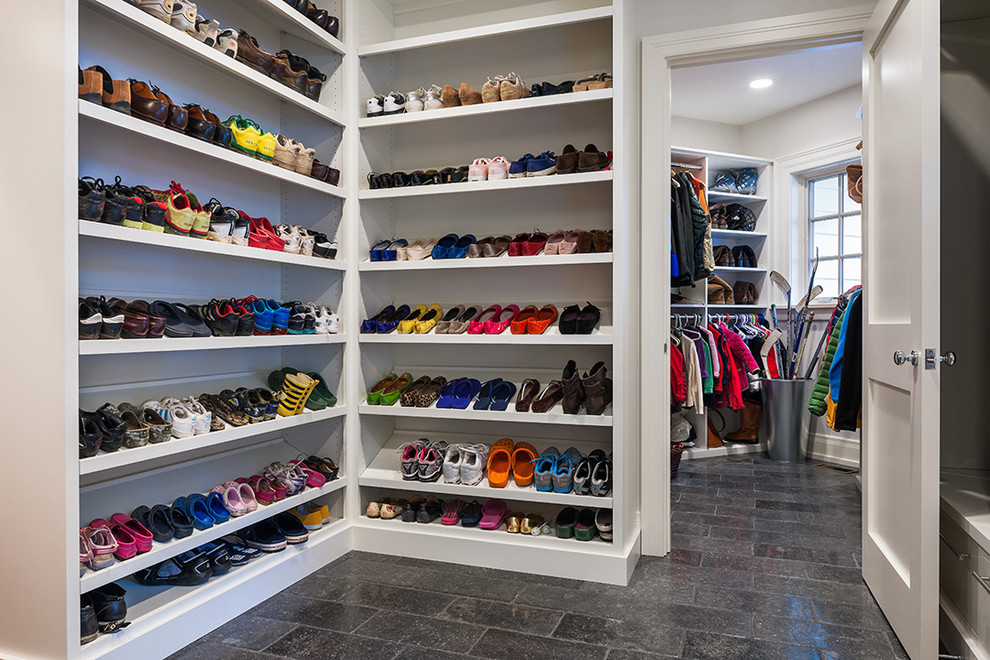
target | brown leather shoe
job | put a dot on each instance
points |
(450, 97)
(549, 397)
(136, 324)
(567, 161)
(467, 95)
(145, 105)
(294, 78)
(597, 389)
(325, 173)
(324, 19)
(719, 291)
(585, 243)
(178, 117)
(249, 52)
(115, 94)
(592, 160)
(602, 239)
(573, 391)
(528, 390)
(156, 324)
(91, 86)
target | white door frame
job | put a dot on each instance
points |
(705, 46)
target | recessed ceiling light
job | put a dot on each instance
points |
(761, 83)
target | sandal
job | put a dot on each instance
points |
(531, 523)
(513, 522)
(523, 458)
(452, 512)
(527, 392)
(493, 514)
(600, 81)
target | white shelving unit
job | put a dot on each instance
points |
(486, 186)
(708, 165)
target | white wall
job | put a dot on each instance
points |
(663, 16)
(710, 135)
(818, 123)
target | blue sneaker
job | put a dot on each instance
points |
(545, 466)
(563, 471)
(263, 316)
(518, 168)
(280, 317)
(542, 165)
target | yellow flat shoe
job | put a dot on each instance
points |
(407, 324)
(514, 522)
(429, 319)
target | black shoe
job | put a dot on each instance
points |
(411, 510)
(112, 428)
(291, 528)
(218, 553)
(180, 522)
(239, 552)
(265, 536)
(430, 510)
(89, 435)
(111, 610)
(186, 570)
(92, 199)
(156, 520)
(89, 627)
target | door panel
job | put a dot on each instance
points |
(901, 312)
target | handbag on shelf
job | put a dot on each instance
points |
(854, 182)
(714, 434)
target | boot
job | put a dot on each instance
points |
(597, 389)
(749, 423)
(714, 434)
(573, 392)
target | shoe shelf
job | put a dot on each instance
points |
(383, 472)
(92, 112)
(530, 103)
(738, 198)
(697, 305)
(166, 344)
(504, 261)
(133, 17)
(555, 415)
(737, 270)
(162, 551)
(280, 15)
(486, 31)
(714, 309)
(162, 240)
(163, 618)
(482, 186)
(738, 235)
(552, 337)
(179, 446)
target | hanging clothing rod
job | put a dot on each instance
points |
(689, 166)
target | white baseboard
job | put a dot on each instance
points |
(833, 448)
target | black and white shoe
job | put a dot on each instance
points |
(111, 610)
(186, 570)
(395, 103)
(265, 536)
(376, 105)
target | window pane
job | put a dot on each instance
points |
(825, 196)
(848, 203)
(852, 272)
(828, 277)
(825, 237)
(852, 234)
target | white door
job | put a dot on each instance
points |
(901, 312)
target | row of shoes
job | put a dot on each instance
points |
(453, 246)
(321, 17)
(178, 212)
(112, 427)
(475, 320)
(497, 88)
(102, 542)
(184, 16)
(100, 318)
(103, 611)
(586, 474)
(500, 168)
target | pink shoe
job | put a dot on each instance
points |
(493, 514)
(477, 326)
(452, 512)
(247, 496)
(498, 168)
(231, 497)
(313, 478)
(102, 545)
(478, 170)
(85, 554)
(126, 547)
(498, 323)
(142, 537)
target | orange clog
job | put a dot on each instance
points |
(500, 463)
(522, 463)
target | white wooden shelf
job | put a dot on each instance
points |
(484, 109)
(714, 309)
(486, 31)
(133, 17)
(734, 197)
(738, 235)
(555, 415)
(552, 337)
(162, 551)
(165, 344)
(383, 472)
(93, 112)
(728, 449)
(178, 446)
(162, 240)
(280, 15)
(483, 186)
(504, 261)
(149, 608)
(736, 269)
(696, 305)
(965, 500)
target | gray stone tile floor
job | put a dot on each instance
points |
(765, 564)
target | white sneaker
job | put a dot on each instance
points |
(474, 458)
(414, 100)
(227, 42)
(184, 16)
(159, 408)
(291, 237)
(206, 30)
(333, 320)
(434, 100)
(183, 420)
(306, 241)
(452, 465)
(160, 9)
(376, 105)
(327, 322)
(202, 418)
(395, 104)
(498, 168)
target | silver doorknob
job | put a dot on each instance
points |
(900, 357)
(948, 358)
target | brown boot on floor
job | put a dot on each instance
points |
(468, 96)
(715, 434)
(749, 424)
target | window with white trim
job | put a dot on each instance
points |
(835, 231)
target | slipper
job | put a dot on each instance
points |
(585, 529)
(502, 394)
(465, 393)
(452, 512)
(522, 463)
(485, 394)
(447, 393)
(493, 514)
(499, 463)
(142, 536)
(471, 514)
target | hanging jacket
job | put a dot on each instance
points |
(817, 405)
(850, 397)
(681, 237)
(835, 370)
(709, 253)
(700, 223)
(678, 385)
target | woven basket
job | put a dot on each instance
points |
(676, 449)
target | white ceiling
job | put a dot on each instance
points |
(721, 92)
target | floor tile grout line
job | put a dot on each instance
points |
(276, 640)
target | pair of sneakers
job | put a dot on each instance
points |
(188, 416)
(422, 460)
(489, 169)
(465, 464)
(504, 88)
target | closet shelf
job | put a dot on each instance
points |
(697, 305)
(552, 337)
(151, 607)
(734, 197)
(740, 235)
(91, 111)
(162, 551)
(165, 344)
(504, 261)
(279, 14)
(481, 186)
(486, 31)
(714, 309)
(131, 16)
(161, 240)
(736, 269)
(555, 415)
(179, 446)
(488, 108)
